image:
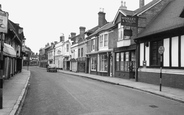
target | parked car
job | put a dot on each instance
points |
(51, 68)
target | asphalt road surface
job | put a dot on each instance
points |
(61, 94)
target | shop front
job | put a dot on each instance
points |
(125, 62)
(100, 63)
(10, 61)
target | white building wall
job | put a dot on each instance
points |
(166, 55)
(174, 51)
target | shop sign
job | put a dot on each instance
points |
(129, 21)
(3, 22)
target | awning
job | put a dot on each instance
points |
(9, 51)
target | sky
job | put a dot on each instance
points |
(44, 21)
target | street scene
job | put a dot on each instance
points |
(123, 57)
(63, 94)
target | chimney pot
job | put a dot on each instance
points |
(73, 34)
(82, 30)
(141, 3)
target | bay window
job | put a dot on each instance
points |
(120, 31)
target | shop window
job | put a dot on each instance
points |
(122, 61)
(103, 62)
(117, 62)
(154, 55)
(93, 63)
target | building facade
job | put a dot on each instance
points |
(165, 31)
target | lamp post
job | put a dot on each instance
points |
(3, 29)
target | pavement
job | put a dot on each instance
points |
(14, 92)
(15, 89)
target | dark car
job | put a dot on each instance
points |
(51, 68)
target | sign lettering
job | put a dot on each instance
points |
(129, 21)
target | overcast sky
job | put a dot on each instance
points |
(45, 20)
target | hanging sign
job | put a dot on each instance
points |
(129, 21)
(3, 21)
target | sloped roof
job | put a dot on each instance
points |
(168, 19)
(103, 28)
(146, 7)
(138, 11)
(92, 29)
(15, 28)
(127, 12)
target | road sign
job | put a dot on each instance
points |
(161, 50)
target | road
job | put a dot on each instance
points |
(62, 94)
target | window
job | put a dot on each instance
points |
(67, 47)
(105, 40)
(120, 32)
(122, 61)
(93, 44)
(155, 56)
(81, 52)
(103, 62)
(93, 63)
(78, 52)
(101, 40)
(117, 61)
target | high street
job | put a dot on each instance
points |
(62, 94)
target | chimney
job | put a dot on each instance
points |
(62, 38)
(101, 18)
(123, 6)
(73, 34)
(141, 3)
(82, 30)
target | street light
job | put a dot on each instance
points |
(3, 29)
